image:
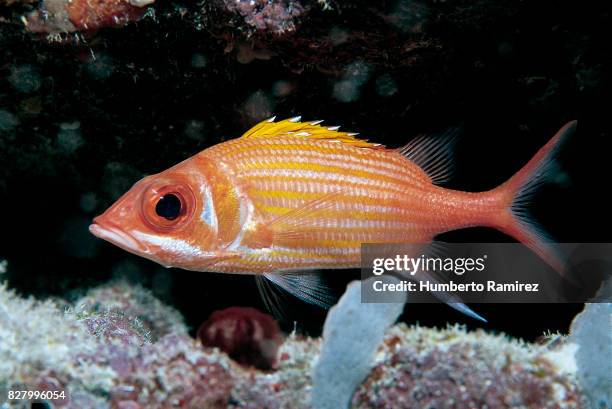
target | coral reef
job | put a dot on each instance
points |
(63, 16)
(303, 33)
(122, 299)
(455, 368)
(276, 16)
(248, 336)
(43, 348)
(105, 359)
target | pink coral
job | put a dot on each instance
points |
(276, 16)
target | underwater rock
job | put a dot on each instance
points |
(258, 106)
(422, 367)
(115, 325)
(386, 86)
(174, 372)
(43, 347)
(248, 336)
(409, 15)
(134, 301)
(69, 137)
(63, 16)
(349, 87)
(7, 120)
(276, 16)
(25, 78)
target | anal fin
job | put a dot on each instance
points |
(438, 249)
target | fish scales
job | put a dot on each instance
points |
(382, 191)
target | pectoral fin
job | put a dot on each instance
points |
(307, 286)
(297, 225)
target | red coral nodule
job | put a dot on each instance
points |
(93, 14)
(247, 335)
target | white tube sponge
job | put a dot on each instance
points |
(352, 333)
(591, 330)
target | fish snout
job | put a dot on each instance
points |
(117, 236)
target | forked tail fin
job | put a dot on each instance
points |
(516, 193)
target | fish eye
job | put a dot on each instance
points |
(168, 206)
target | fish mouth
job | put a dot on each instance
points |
(117, 237)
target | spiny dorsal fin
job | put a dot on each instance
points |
(310, 130)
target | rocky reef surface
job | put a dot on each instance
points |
(119, 347)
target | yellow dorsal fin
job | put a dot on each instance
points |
(310, 130)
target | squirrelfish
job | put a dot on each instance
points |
(292, 196)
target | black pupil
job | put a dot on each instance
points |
(168, 207)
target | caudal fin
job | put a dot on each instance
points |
(516, 194)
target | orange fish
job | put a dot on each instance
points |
(293, 196)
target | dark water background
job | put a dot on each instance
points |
(80, 123)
